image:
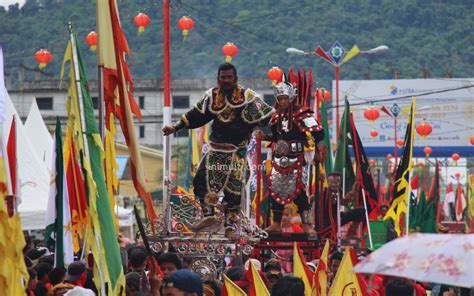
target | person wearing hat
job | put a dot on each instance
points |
(293, 128)
(76, 274)
(183, 282)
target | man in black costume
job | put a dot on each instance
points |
(235, 112)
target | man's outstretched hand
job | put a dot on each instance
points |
(168, 130)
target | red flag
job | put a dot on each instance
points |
(11, 152)
(76, 192)
(118, 92)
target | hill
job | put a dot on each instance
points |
(432, 35)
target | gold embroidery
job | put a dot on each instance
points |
(227, 115)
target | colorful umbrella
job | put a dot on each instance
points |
(435, 258)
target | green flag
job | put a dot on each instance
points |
(343, 158)
(101, 234)
(326, 141)
(58, 229)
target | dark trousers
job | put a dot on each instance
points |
(301, 202)
(355, 215)
(201, 188)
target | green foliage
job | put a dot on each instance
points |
(436, 35)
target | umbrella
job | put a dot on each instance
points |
(436, 258)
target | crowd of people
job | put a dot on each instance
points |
(172, 276)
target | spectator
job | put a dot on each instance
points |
(272, 265)
(187, 261)
(57, 275)
(183, 282)
(137, 259)
(288, 286)
(397, 287)
(235, 273)
(132, 280)
(273, 277)
(212, 287)
(335, 261)
(76, 274)
(36, 254)
(169, 263)
(32, 282)
(60, 289)
(43, 269)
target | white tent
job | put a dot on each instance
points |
(38, 133)
(33, 174)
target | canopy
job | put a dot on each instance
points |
(32, 172)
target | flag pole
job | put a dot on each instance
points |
(166, 102)
(101, 102)
(408, 206)
(258, 149)
(77, 79)
(339, 208)
(367, 219)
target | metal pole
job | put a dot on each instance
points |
(367, 219)
(408, 206)
(166, 101)
(395, 152)
(337, 103)
(259, 179)
(339, 208)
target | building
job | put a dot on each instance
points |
(51, 99)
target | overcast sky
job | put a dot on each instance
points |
(5, 3)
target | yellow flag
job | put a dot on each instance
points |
(301, 271)
(400, 193)
(321, 274)
(258, 287)
(352, 53)
(111, 167)
(346, 282)
(231, 288)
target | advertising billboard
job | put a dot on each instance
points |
(446, 104)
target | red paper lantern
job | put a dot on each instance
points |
(372, 162)
(421, 163)
(229, 50)
(472, 140)
(427, 150)
(275, 74)
(91, 40)
(43, 57)
(400, 142)
(455, 156)
(374, 133)
(389, 156)
(457, 174)
(186, 24)
(323, 94)
(424, 129)
(371, 113)
(141, 20)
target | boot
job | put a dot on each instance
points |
(232, 220)
(275, 227)
(208, 211)
(204, 223)
(306, 226)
